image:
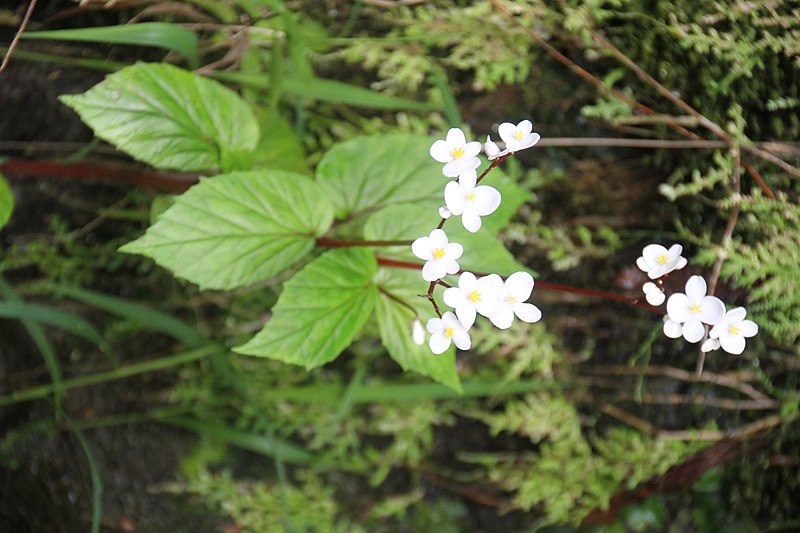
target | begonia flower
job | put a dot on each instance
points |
(512, 295)
(653, 293)
(458, 155)
(471, 202)
(439, 254)
(693, 309)
(518, 137)
(732, 329)
(657, 261)
(446, 330)
(472, 295)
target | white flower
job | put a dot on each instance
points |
(491, 149)
(518, 137)
(511, 297)
(672, 329)
(457, 154)
(444, 213)
(417, 333)
(653, 293)
(732, 329)
(470, 296)
(446, 330)
(657, 261)
(710, 345)
(471, 202)
(692, 309)
(440, 255)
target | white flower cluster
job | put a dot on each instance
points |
(499, 301)
(691, 314)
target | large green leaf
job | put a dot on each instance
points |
(6, 201)
(170, 118)
(238, 228)
(371, 172)
(320, 310)
(278, 146)
(159, 34)
(395, 320)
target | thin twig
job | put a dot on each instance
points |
(759, 180)
(18, 35)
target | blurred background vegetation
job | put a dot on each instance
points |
(122, 409)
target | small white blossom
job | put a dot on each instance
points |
(732, 329)
(472, 295)
(492, 150)
(471, 202)
(446, 330)
(710, 345)
(439, 254)
(444, 213)
(458, 155)
(672, 329)
(417, 332)
(653, 293)
(518, 137)
(657, 261)
(692, 310)
(511, 297)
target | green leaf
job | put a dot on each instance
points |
(237, 228)
(320, 311)
(169, 118)
(159, 34)
(6, 201)
(278, 146)
(371, 172)
(395, 320)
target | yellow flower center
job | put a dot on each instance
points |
(438, 253)
(474, 296)
(449, 332)
(695, 309)
(518, 134)
(662, 259)
(471, 196)
(735, 330)
(512, 299)
(457, 153)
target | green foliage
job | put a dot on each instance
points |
(237, 228)
(320, 311)
(169, 118)
(6, 201)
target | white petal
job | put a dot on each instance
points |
(434, 269)
(530, 140)
(444, 212)
(678, 308)
(735, 315)
(453, 251)
(471, 220)
(466, 314)
(733, 344)
(449, 320)
(467, 180)
(462, 340)
(642, 264)
(693, 330)
(417, 332)
(471, 149)
(457, 167)
(519, 285)
(506, 131)
(453, 297)
(451, 266)
(696, 288)
(491, 148)
(422, 248)
(713, 310)
(674, 251)
(438, 238)
(455, 138)
(487, 306)
(455, 197)
(655, 298)
(710, 345)
(526, 126)
(652, 252)
(649, 287)
(440, 152)
(467, 282)
(748, 328)
(439, 343)
(503, 316)
(682, 262)
(672, 329)
(434, 325)
(527, 312)
(487, 200)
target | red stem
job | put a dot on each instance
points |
(542, 285)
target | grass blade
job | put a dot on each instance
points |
(159, 34)
(60, 319)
